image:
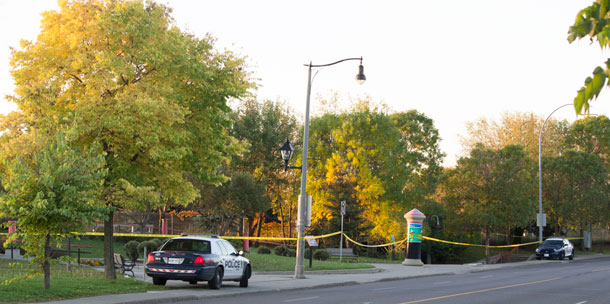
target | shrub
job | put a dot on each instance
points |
(131, 250)
(157, 243)
(360, 251)
(321, 254)
(238, 244)
(291, 252)
(150, 246)
(263, 250)
(281, 250)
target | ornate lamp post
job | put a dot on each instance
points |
(287, 152)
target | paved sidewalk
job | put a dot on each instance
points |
(278, 281)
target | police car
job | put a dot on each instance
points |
(192, 258)
(555, 247)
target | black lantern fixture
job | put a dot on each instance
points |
(360, 78)
(287, 150)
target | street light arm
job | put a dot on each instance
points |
(540, 170)
(329, 64)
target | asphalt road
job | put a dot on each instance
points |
(570, 282)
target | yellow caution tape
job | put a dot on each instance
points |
(262, 238)
(313, 237)
(278, 238)
(372, 246)
(476, 245)
(131, 234)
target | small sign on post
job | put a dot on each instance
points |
(541, 219)
(341, 241)
(393, 245)
(312, 243)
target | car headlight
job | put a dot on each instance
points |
(537, 250)
(558, 250)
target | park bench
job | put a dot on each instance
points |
(122, 264)
(346, 253)
(57, 253)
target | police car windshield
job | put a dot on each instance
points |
(200, 246)
(553, 243)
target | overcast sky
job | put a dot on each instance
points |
(455, 61)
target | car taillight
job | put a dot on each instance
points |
(150, 259)
(199, 260)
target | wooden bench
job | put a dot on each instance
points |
(57, 253)
(122, 264)
(347, 253)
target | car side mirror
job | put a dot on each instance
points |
(240, 253)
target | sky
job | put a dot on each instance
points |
(454, 61)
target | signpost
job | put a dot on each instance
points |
(341, 244)
(312, 243)
(393, 245)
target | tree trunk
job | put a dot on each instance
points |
(487, 238)
(290, 221)
(282, 219)
(109, 272)
(69, 248)
(46, 268)
(261, 219)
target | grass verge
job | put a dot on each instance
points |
(82, 281)
(272, 262)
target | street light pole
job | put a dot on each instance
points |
(300, 265)
(540, 171)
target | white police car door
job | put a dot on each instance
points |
(568, 249)
(233, 268)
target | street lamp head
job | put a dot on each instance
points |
(286, 150)
(360, 78)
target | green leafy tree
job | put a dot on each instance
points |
(153, 96)
(591, 135)
(387, 162)
(223, 206)
(51, 193)
(517, 129)
(593, 22)
(492, 190)
(575, 185)
(264, 126)
(354, 223)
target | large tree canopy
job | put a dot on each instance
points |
(516, 129)
(152, 95)
(492, 190)
(383, 164)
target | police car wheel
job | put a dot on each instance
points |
(216, 281)
(244, 279)
(159, 281)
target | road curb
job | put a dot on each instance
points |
(317, 272)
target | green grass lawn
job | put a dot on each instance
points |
(82, 281)
(97, 250)
(272, 262)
